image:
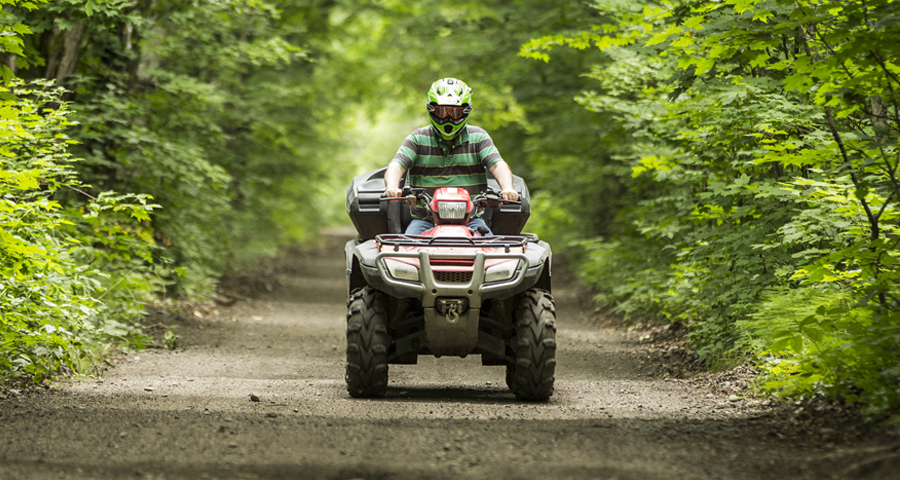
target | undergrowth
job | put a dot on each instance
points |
(75, 267)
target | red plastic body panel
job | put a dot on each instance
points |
(451, 194)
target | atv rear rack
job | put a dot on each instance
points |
(505, 242)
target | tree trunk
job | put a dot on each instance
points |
(69, 63)
(54, 49)
(62, 55)
(10, 61)
(127, 33)
(879, 118)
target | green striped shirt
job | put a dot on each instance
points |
(432, 163)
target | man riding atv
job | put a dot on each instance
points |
(449, 285)
(448, 153)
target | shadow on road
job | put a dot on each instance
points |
(488, 395)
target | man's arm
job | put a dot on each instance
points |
(503, 175)
(392, 177)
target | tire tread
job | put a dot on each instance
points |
(368, 342)
(533, 374)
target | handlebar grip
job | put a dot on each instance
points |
(495, 200)
(396, 199)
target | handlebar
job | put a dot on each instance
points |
(488, 198)
(397, 199)
(493, 199)
(409, 194)
(420, 199)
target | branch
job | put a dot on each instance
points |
(890, 75)
(82, 192)
(887, 201)
(873, 222)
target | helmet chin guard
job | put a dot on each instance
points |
(449, 92)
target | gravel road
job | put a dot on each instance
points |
(188, 413)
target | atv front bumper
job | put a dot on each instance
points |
(532, 263)
(452, 309)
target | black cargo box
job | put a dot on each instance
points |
(369, 215)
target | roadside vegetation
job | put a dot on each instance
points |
(147, 148)
(728, 165)
(757, 142)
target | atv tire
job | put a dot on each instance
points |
(367, 344)
(531, 377)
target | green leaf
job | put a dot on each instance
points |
(664, 35)
(814, 334)
(780, 344)
(796, 344)
(762, 15)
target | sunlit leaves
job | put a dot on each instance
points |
(203, 106)
(664, 35)
(12, 29)
(52, 276)
(780, 168)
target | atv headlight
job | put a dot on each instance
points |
(500, 272)
(452, 210)
(401, 271)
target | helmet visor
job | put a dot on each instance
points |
(442, 112)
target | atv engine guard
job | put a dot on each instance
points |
(449, 331)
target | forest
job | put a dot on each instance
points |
(730, 165)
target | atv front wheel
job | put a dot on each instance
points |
(531, 377)
(367, 344)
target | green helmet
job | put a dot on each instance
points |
(449, 104)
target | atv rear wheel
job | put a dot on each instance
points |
(367, 344)
(531, 377)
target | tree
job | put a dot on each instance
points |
(772, 150)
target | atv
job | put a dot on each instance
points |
(450, 291)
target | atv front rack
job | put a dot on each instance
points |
(505, 242)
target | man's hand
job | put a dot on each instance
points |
(392, 180)
(504, 177)
(509, 195)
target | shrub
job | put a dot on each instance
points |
(74, 268)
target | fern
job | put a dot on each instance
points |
(782, 309)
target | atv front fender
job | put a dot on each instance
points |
(355, 277)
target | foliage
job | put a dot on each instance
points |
(67, 273)
(207, 128)
(762, 141)
(11, 31)
(195, 103)
(170, 338)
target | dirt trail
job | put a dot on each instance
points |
(188, 414)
